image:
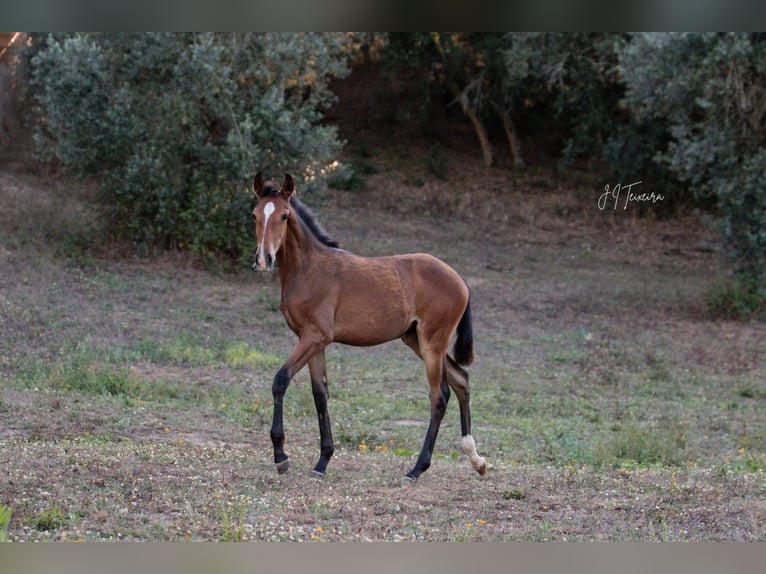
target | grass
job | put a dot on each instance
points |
(5, 520)
(135, 396)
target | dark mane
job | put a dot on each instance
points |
(309, 221)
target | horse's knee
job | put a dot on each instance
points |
(281, 382)
(444, 399)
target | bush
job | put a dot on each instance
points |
(174, 125)
(711, 91)
(734, 299)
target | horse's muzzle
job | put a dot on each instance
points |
(265, 263)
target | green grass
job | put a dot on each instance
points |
(5, 520)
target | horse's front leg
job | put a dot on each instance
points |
(278, 390)
(318, 371)
(310, 343)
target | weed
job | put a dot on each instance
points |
(514, 494)
(734, 299)
(232, 531)
(641, 445)
(348, 178)
(49, 519)
(85, 377)
(436, 163)
(184, 350)
(403, 452)
(5, 521)
(751, 393)
(240, 355)
(76, 247)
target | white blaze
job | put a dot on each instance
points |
(267, 211)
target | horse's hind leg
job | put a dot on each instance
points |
(457, 377)
(439, 392)
(318, 372)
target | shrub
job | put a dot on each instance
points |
(711, 90)
(734, 299)
(174, 125)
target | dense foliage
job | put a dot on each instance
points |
(710, 89)
(174, 125)
(681, 112)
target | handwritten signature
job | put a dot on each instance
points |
(615, 192)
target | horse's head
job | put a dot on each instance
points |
(271, 214)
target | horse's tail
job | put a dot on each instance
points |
(463, 350)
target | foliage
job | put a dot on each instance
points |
(661, 108)
(734, 299)
(563, 89)
(711, 90)
(174, 125)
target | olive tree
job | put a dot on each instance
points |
(173, 125)
(710, 89)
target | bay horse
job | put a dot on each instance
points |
(331, 295)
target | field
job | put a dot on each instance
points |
(135, 393)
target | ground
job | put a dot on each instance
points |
(135, 392)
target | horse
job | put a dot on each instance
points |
(332, 295)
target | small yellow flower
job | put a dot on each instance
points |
(363, 446)
(469, 524)
(482, 522)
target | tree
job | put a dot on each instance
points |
(710, 89)
(174, 125)
(468, 68)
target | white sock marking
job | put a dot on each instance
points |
(469, 448)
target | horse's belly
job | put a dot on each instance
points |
(370, 325)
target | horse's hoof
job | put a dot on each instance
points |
(482, 469)
(284, 466)
(317, 474)
(407, 480)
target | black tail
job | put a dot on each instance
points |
(463, 349)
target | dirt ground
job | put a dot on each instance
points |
(549, 272)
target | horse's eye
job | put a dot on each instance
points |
(285, 216)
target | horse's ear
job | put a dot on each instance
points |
(258, 184)
(288, 186)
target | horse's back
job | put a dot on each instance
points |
(436, 287)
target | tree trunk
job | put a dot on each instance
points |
(481, 131)
(510, 133)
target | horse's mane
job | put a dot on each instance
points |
(309, 221)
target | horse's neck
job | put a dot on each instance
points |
(297, 252)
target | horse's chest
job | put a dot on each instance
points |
(292, 322)
(298, 310)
